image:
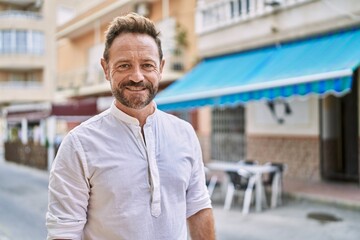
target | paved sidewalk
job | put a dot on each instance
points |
(290, 221)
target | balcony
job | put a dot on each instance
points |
(82, 82)
(222, 13)
(173, 40)
(18, 14)
(23, 85)
(228, 26)
(10, 79)
(20, 85)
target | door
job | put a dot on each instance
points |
(339, 136)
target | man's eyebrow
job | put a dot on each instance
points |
(148, 59)
(124, 60)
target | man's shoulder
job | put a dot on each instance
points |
(175, 123)
(170, 118)
(92, 123)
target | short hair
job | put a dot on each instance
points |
(130, 23)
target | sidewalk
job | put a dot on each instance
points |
(293, 220)
(338, 194)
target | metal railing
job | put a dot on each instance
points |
(20, 14)
(221, 13)
(20, 84)
(79, 78)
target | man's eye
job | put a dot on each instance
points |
(124, 66)
(148, 66)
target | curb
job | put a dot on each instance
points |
(340, 203)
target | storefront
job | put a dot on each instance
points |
(300, 102)
(33, 132)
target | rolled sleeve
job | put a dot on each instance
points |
(197, 196)
(68, 192)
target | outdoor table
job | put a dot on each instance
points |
(256, 171)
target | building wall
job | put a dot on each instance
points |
(295, 142)
(73, 53)
(300, 153)
(184, 13)
(204, 132)
(303, 119)
(313, 17)
(30, 62)
(292, 139)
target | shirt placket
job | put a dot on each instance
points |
(153, 171)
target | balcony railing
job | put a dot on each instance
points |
(223, 13)
(20, 14)
(20, 84)
(79, 78)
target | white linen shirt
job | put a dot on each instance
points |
(107, 183)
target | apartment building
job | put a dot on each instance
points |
(26, 51)
(51, 78)
(278, 82)
(27, 67)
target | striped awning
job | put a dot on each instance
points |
(319, 65)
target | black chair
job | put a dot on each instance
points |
(239, 182)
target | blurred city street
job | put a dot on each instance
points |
(270, 87)
(23, 200)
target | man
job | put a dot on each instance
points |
(133, 171)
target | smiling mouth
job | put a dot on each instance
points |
(136, 89)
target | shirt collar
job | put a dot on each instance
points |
(127, 118)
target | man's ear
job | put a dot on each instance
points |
(162, 63)
(105, 69)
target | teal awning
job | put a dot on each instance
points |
(313, 66)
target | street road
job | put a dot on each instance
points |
(23, 202)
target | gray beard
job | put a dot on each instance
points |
(135, 102)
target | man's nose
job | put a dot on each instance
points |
(136, 74)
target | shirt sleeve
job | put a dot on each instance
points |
(68, 191)
(197, 195)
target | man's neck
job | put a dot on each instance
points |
(140, 114)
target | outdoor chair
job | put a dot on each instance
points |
(270, 179)
(240, 182)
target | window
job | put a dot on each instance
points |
(228, 134)
(37, 43)
(21, 42)
(7, 46)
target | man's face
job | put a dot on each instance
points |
(134, 69)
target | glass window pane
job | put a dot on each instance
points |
(21, 42)
(38, 42)
(7, 41)
(1, 42)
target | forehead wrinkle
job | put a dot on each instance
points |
(131, 45)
